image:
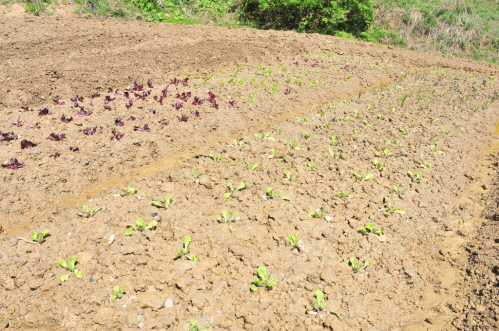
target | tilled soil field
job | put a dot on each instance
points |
(357, 172)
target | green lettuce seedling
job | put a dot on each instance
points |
(404, 132)
(396, 143)
(272, 155)
(362, 177)
(380, 117)
(194, 326)
(293, 240)
(274, 194)
(165, 204)
(317, 213)
(186, 249)
(356, 266)
(384, 153)
(431, 120)
(327, 126)
(369, 228)
(343, 194)
(130, 190)
(71, 267)
(390, 210)
(88, 212)
(229, 185)
(227, 217)
(265, 136)
(239, 144)
(216, 157)
(140, 226)
(426, 165)
(192, 258)
(378, 165)
(433, 150)
(311, 165)
(417, 176)
(336, 155)
(39, 237)
(368, 123)
(196, 174)
(251, 166)
(263, 280)
(118, 292)
(334, 141)
(356, 113)
(307, 136)
(292, 144)
(398, 191)
(319, 303)
(288, 176)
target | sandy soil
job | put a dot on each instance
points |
(258, 91)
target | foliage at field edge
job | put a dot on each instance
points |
(463, 29)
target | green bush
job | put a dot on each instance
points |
(322, 16)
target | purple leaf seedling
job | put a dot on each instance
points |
(13, 164)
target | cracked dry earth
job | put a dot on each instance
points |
(332, 125)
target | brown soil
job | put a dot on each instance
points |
(406, 102)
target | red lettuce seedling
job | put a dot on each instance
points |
(153, 111)
(108, 107)
(137, 86)
(287, 91)
(28, 144)
(65, 119)
(214, 104)
(159, 99)
(165, 91)
(91, 131)
(163, 123)
(143, 96)
(183, 118)
(57, 137)
(118, 121)
(295, 63)
(212, 97)
(43, 111)
(95, 95)
(145, 128)
(149, 83)
(195, 114)
(185, 81)
(108, 99)
(77, 98)
(197, 101)
(74, 149)
(129, 104)
(117, 136)
(36, 126)
(25, 109)
(175, 81)
(7, 137)
(231, 104)
(13, 164)
(178, 105)
(126, 94)
(17, 123)
(58, 102)
(183, 96)
(131, 118)
(83, 113)
(55, 155)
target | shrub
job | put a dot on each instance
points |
(322, 16)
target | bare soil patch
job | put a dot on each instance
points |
(262, 94)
